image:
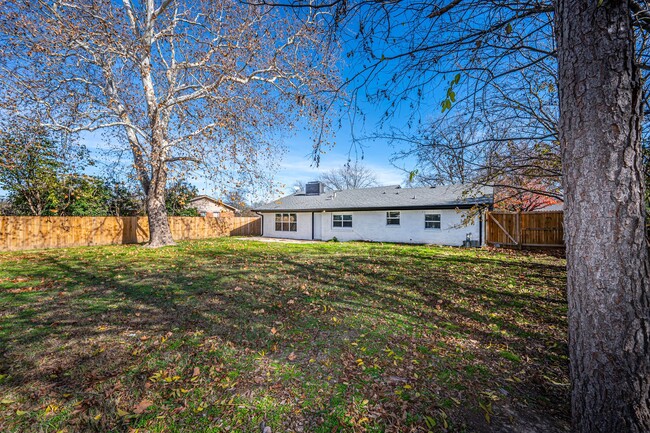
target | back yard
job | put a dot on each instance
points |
(223, 335)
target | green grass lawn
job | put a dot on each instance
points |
(222, 335)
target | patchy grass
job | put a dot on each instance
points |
(223, 335)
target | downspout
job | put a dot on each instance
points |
(480, 228)
(490, 208)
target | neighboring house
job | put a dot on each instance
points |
(208, 206)
(429, 215)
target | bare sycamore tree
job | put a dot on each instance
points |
(183, 85)
(352, 175)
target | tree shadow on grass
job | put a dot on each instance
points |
(240, 302)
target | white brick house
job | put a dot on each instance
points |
(429, 215)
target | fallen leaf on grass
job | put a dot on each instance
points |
(274, 331)
(196, 372)
(142, 406)
(292, 356)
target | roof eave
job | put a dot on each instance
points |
(349, 209)
(213, 200)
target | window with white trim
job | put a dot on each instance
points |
(342, 221)
(392, 218)
(286, 222)
(432, 221)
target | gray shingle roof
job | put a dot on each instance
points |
(383, 197)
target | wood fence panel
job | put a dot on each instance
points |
(525, 229)
(16, 232)
(20, 233)
(51, 237)
(77, 228)
(44, 230)
(4, 233)
(141, 229)
(27, 231)
(44, 240)
(247, 226)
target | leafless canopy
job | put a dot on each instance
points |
(351, 175)
(182, 83)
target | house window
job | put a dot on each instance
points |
(392, 218)
(341, 221)
(432, 221)
(286, 222)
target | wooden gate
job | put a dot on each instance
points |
(525, 229)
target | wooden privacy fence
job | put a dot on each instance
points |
(525, 229)
(21, 233)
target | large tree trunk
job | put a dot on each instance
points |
(160, 234)
(607, 257)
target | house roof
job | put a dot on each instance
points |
(214, 200)
(552, 208)
(391, 197)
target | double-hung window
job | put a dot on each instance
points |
(286, 222)
(432, 221)
(392, 218)
(341, 221)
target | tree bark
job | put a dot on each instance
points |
(160, 234)
(607, 256)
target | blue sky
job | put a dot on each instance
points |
(297, 164)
